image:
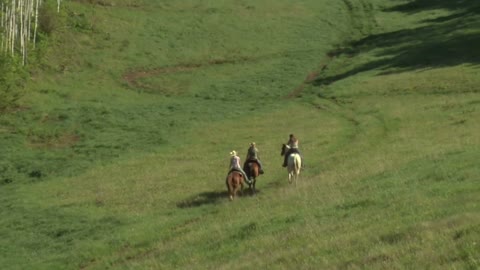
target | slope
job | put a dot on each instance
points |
(381, 94)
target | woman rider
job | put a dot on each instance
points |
(235, 164)
(293, 148)
(252, 155)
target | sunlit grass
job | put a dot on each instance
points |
(103, 174)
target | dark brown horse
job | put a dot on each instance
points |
(253, 171)
(234, 182)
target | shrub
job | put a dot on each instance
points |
(12, 78)
(48, 21)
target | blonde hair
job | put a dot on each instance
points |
(233, 153)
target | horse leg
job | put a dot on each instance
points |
(235, 183)
(254, 182)
(241, 187)
(232, 190)
(298, 166)
(228, 182)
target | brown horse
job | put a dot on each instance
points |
(234, 182)
(252, 170)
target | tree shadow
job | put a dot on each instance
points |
(423, 5)
(444, 41)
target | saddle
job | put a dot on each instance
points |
(252, 160)
(292, 151)
(245, 165)
(233, 170)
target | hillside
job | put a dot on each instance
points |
(117, 155)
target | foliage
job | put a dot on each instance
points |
(48, 20)
(12, 80)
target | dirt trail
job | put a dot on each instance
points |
(312, 76)
(133, 77)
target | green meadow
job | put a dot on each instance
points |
(116, 155)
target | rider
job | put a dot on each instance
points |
(252, 155)
(235, 164)
(293, 144)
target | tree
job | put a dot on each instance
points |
(17, 19)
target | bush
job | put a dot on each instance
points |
(8, 173)
(48, 21)
(12, 79)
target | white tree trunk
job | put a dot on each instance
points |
(16, 25)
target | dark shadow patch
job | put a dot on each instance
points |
(395, 237)
(278, 183)
(467, 233)
(446, 41)
(246, 231)
(416, 6)
(6, 181)
(36, 174)
(204, 198)
(351, 205)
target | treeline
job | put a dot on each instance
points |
(19, 23)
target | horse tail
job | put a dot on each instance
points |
(253, 169)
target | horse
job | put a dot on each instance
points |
(294, 164)
(234, 182)
(252, 169)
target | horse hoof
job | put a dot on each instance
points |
(231, 198)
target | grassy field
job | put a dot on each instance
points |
(117, 156)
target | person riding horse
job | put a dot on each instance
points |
(293, 148)
(235, 165)
(252, 155)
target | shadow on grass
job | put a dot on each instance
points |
(423, 5)
(444, 41)
(211, 197)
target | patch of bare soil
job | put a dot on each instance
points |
(312, 76)
(132, 78)
(65, 140)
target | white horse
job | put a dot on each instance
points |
(294, 164)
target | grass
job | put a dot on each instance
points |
(106, 173)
